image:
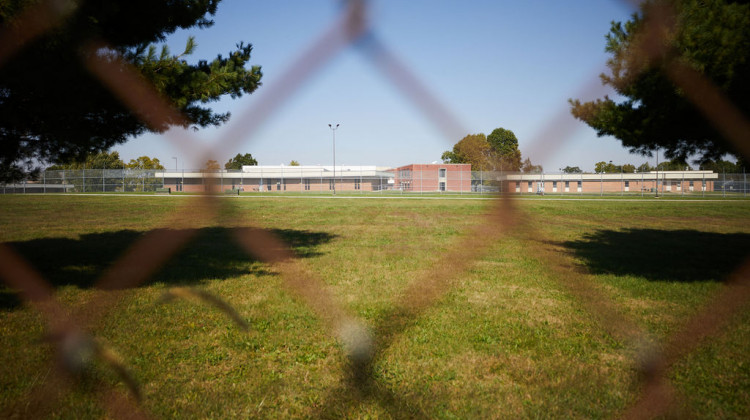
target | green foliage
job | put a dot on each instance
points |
(473, 149)
(496, 152)
(645, 167)
(572, 170)
(504, 146)
(144, 162)
(294, 163)
(673, 165)
(723, 166)
(530, 168)
(628, 168)
(53, 109)
(239, 161)
(709, 36)
(603, 167)
(102, 160)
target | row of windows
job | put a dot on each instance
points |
(357, 184)
(627, 184)
(407, 173)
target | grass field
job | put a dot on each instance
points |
(509, 339)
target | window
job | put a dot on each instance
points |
(554, 185)
(330, 184)
(627, 184)
(356, 184)
(441, 173)
(278, 186)
(567, 184)
(442, 186)
(307, 185)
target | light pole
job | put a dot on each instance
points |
(657, 172)
(333, 129)
(176, 182)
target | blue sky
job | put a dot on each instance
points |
(510, 64)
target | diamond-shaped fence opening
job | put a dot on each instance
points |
(363, 347)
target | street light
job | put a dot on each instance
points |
(333, 129)
(176, 183)
(657, 172)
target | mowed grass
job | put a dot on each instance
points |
(508, 340)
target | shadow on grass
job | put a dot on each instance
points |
(662, 255)
(212, 254)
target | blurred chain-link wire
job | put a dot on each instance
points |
(68, 327)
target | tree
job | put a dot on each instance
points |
(645, 167)
(572, 170)
(102, 160)
(628, 168)
(144, 162)
(528, 167)
(504, 146)
(710, 37)
(294, 163)
(673, 165)
(473, 149)
(212, 165)
(239, 161)
(724, 166)
(53, 109)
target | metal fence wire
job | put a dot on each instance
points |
(69, 326)
(424, 179)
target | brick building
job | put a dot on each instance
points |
(449, 177)
(666, 181)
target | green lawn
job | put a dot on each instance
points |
(509, 338)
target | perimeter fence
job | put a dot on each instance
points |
(434, 180)
(72, 330)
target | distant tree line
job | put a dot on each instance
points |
(676, 164)
(108, 160)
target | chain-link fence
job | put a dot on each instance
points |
(417, 179)
(69, 327)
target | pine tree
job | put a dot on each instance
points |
(52, 109)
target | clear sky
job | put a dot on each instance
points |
(491, 63)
